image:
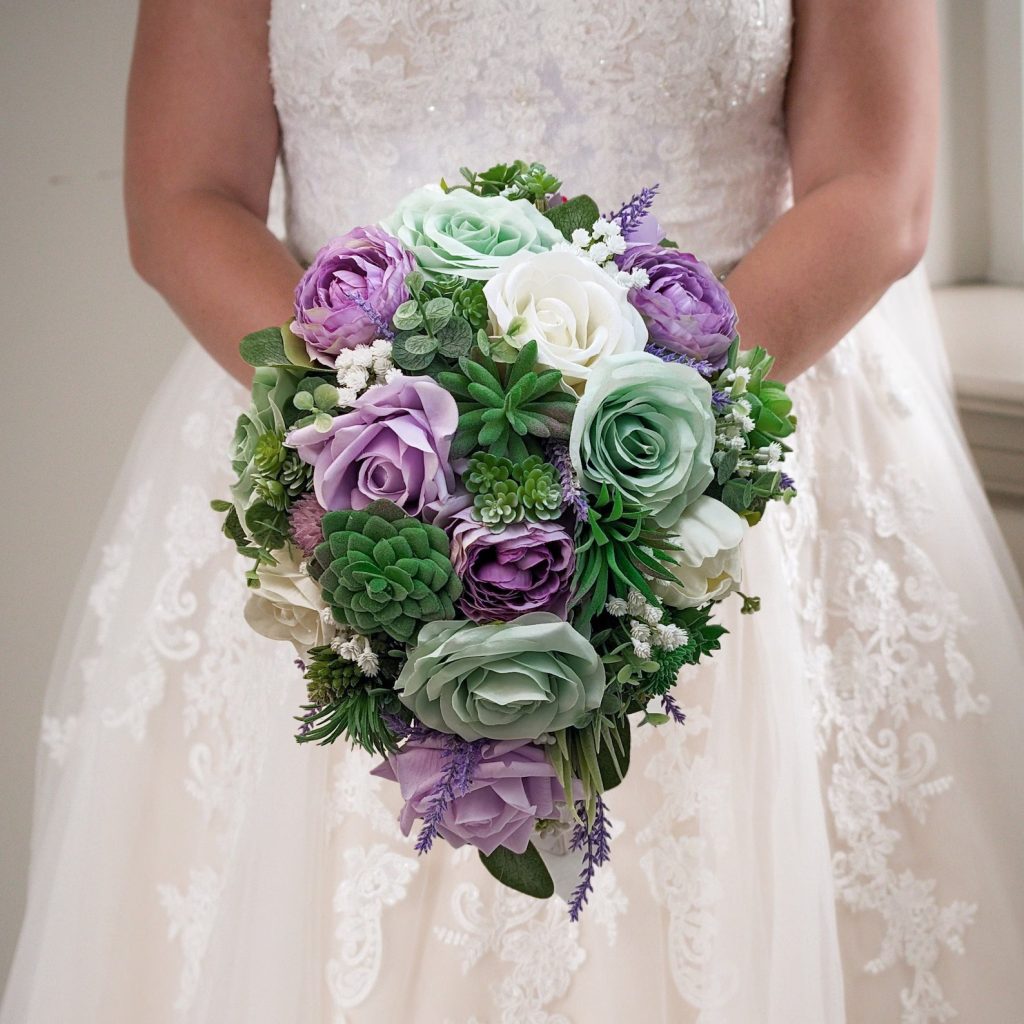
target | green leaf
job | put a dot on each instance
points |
(407, 317)
(455, 339)
(414, 282)
(613, 757)
(267, 525)
(295, 347)
(726, 468)
(420, 345)
(264, 348)
(578, 212)
(438, 312)
(233, 528)
(524, 872)
(408, 360)
(220, 505)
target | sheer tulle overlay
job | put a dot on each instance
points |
(832, 836)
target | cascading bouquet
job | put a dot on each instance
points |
(493, 480)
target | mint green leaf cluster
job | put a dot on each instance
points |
(466, 296)
(507, 409)
(507, 492)
(383, 570)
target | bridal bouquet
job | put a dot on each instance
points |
(494, 478)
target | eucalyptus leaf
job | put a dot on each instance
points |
(408, 316)
(407, 360)
(414, 282)
(420, 344)
(438, 312)
(264, 348)
(524, 872)
(455, 338)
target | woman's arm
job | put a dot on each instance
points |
(861, 116)
(202, 138)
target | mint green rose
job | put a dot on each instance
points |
(645, 428)
(468, 235)
(504, 681)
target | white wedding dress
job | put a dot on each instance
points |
(834, 835)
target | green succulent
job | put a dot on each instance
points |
(269, 452)
(515, 180)
(381, 570)
(467, 297)
(619, 549)
(540, 490)
(271, 491)
(295, 475)
(486, 470)
(505, 409)
(345, 702)
(499, 505)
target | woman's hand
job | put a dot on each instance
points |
(861, 120)
(201, 145)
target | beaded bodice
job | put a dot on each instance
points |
(378, 97)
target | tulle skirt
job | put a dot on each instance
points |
(834, 834)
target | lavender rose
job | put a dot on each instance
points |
(513, 786)
(527, 567)
(351, 276)
(393, 444)
(685, 306)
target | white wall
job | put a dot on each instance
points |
(85, 344)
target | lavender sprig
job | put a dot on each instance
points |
(632, 212)
(720, 400)
(593, 840)
(672, 709)
(667, 355)
(572, 493)
(786, 482)
(461, 759)
(383, 330)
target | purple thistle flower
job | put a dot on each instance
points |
(572, 493)
(672, 709)
(460, 761)
(304, 518)
(631, 213)
(702, 366)
(383, 331)
(593, 840)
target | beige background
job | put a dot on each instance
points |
(86, 343)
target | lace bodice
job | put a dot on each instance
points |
(378, 97)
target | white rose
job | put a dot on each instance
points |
(708, 566)
(574, 310)
(287, 604)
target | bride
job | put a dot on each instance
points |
(833, 836)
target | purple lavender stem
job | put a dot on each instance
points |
(672, 709)
(720, 400)
(572, 494)
(383, 331)
(786, 482)
(461, 760)
(594, 840)
(632, 212)
(702, 366)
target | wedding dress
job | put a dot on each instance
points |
(834, 835)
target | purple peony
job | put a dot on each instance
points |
(393, 444)
(352, 282)
(513, 786)
(686, 307)
(527, 567)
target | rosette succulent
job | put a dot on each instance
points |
(512, 680)
(468, 235)
(507, 492)
(354, 284)
(645, 429)
(383, 570)
(686, 307)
